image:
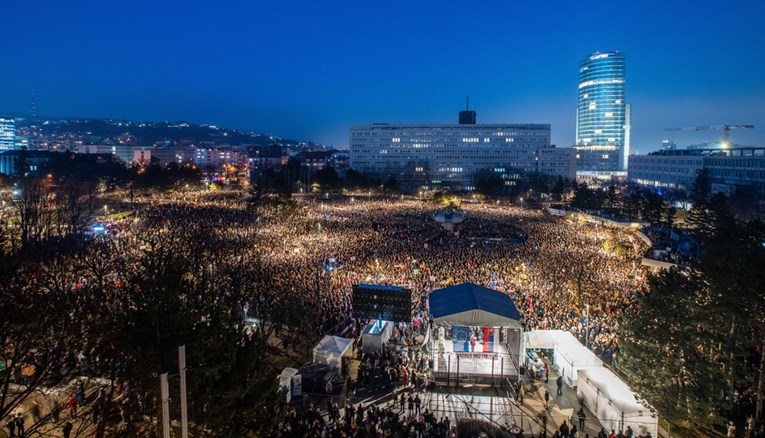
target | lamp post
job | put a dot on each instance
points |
(587, 326)
(182, 372)
(165, 400)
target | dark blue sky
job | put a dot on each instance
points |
(309, 69)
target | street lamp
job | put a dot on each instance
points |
(587, 326)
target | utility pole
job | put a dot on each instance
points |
(761, 386)
(164, 394)
(182, 372)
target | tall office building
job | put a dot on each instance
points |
(602, 116)
(7, 134)
(434, 156)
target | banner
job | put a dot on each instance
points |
(488, 340)
(460, 339)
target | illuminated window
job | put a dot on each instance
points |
(593, 105)
(608, 114)
(396, 140)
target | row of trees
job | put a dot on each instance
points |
(294, 176)
(109, 172)
(489, 183)
(694, 346)
(117, 308)
(632, 202)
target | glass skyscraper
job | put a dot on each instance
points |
(602, 116)
(7, 134)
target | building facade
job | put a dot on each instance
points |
(7, 134)
(10, 162)
(670, 171)
(557, 162)
(602, 116)
(218, 157)
(432, 156)
(677, 169)
(135, 154)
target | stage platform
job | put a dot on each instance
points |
(476, 368)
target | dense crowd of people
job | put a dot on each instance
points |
(405, 418)
(557, 271)
(559, 274)
(296, 267)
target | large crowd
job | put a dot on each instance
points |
(558, 272)
(302, 262)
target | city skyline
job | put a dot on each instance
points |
(303, 71)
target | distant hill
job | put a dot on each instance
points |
(147, 133)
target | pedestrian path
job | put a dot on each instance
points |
(565, 407)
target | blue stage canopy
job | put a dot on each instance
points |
(474, 305)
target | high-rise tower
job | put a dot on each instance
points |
(602, 116)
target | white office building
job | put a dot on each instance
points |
(557, 162)
(433, 156)
(677, 169)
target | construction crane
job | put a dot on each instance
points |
(725, 129)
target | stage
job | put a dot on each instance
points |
(475, 368)
(484, 328)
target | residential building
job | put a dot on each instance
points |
(218, 157)
(131, 154)
(340, 161)
(7, 134)
(264, 157)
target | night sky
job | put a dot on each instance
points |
(307, 70)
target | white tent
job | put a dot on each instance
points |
(331, 350)
(572, 356)
(289, 382)
(547, 339)
(613, 402)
